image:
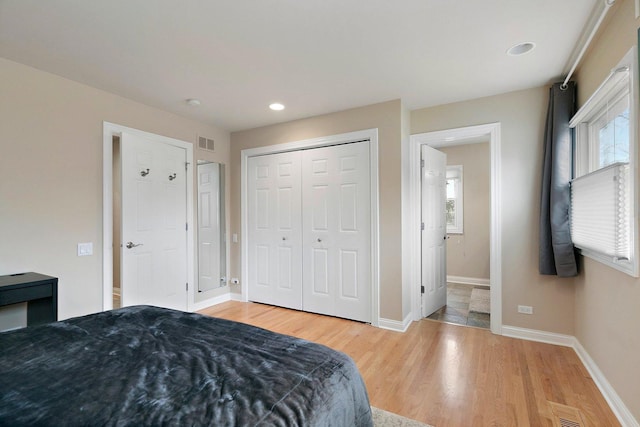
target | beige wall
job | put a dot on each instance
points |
(387, 118)
(468, 253)
(522, 116)
(51, 175)
(607, 308)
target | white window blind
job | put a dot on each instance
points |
(600, 211)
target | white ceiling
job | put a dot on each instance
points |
(314, 56)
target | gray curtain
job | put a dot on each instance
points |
(557, 255)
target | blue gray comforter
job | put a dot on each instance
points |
(151, 366)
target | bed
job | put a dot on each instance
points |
(146, 365)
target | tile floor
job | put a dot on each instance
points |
(457, 308)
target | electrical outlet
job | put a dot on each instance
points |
(525, 309)
(234, 281)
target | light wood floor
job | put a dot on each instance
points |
(447, 375)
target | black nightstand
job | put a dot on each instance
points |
(40, 292)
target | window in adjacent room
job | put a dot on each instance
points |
(603, 192)
(455, 209)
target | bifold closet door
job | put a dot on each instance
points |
(274, 235)
(336, 236)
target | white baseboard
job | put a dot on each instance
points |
(469, 281)
(540, 336)
(395, 325)
(615, 403)
(201, 305)
(237, 297)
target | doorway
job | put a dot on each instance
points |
(452, 137)
(468, 185)
(172, 189)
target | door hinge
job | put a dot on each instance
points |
(422, 289)
(421, 163)
(187, 286)
(186, 226)
(422, 226)
(186, 166)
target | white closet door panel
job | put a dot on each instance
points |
(337, 231)
(348, 274)
(320, 274)
(274, 229)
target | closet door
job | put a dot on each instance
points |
(274, 230)
(336, 224)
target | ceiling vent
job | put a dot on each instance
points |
(205, 143)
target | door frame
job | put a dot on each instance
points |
(344, 138)
(109, 130)
(446, 138)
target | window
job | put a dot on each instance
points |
(603, 201)
(455, 209)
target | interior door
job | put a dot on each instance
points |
(434, 232)
(154, 218)
(274, 229)
(209, 227)
(337, 231)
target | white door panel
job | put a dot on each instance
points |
(154, 219)
(435, 232)
(274, 239)
(337, 231)
(309, 230)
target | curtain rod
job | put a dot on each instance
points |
(585, 46)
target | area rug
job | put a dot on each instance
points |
(383, 418)
(480, 301)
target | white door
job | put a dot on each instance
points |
(209, 227)
(274, 230)
(154, 218)
(434, 234)
(337, 231)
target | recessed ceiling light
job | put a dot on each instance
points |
(276, 106)
(521, 48)
(193, 102)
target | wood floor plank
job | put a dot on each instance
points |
(443, 374)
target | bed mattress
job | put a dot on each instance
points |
(146, 365)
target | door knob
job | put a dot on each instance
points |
(319, 240)
(131, 245)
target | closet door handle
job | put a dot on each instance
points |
(319, 240)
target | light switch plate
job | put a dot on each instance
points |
(85, 249)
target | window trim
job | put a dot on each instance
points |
(625, 73)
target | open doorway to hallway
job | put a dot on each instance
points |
(467, 240)
(449, 138)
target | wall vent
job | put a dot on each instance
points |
(205, 143)
(566, 416)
